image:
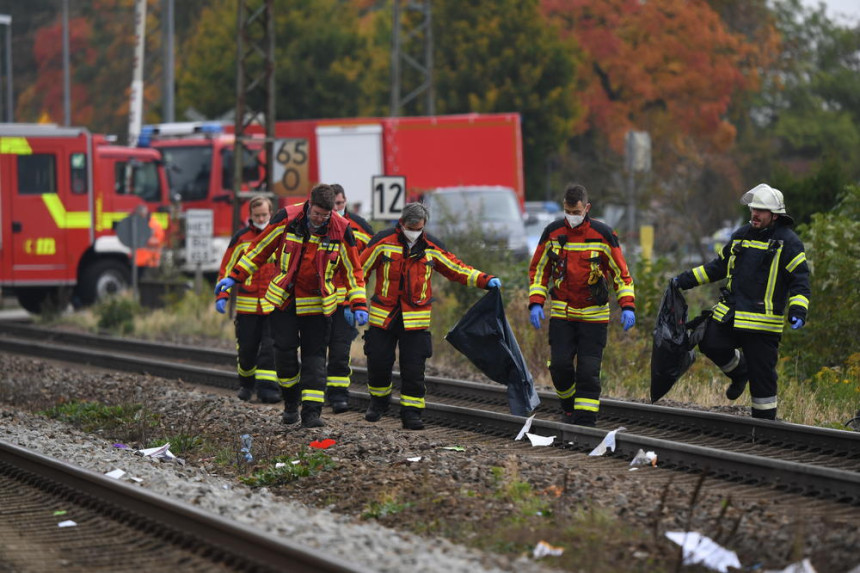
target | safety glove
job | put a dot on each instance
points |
(347, 315)
(536, 315)
(494, 283)
(796, 322)
(224, 285)
(628, 319)
(221, 305)
(361, 317)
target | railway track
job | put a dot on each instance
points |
(118, 527)
(817, 462)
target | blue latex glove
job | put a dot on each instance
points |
(224, 285)
(347, 314)
(221, 305)
(536, 315)
(796, 322)
(628, 319)
(494, 283)
(361, 317)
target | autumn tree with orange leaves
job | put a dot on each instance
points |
(671, 68)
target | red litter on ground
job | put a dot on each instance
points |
(322, 444)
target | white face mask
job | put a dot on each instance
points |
(411, 236)
(342, 211)
(261, 226)
(574, 220)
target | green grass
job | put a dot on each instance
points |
(310, 463)
(122, 422)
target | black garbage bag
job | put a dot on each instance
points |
(484, 336)
(672, 352)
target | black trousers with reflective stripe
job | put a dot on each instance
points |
(339, 345)
(415, 348)
(307, 333)
(761, 350)
(583, 341)
(254, 342)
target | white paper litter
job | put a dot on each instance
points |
(542, 549)
(607, 443)
(540, 440)
(415, 459)
(115, 474)
(526, 427)
(699, 548)
(67, 523)
(804, 566)
(158, 452)
(644, 458)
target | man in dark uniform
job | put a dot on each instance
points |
(767, 276)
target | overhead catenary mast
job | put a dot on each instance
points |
(135, 108)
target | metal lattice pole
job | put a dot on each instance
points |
(421, 61)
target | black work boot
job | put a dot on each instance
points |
(311, 415)
(268, 392)
(566, 417)
(291, 405)
(339, 400)
(411, 418)
(585, 418)
(246, 389)
(736, 388)
(378, 407)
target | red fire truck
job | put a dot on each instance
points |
(430, 152)
(63, 191)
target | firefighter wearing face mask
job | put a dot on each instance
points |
(404, 259)
(256, 359)
(311, 247)
(576, 261)
(767, 277)
(343, 331)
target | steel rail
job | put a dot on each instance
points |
(840, 485)
(247, 548)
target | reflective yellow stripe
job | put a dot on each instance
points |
(567, 393)
(15, 146)
(560, 309)
(268, 375)
(795, 262)
(246, 373)
(288, 382)
(412, 401)
(313, 396)
(379, 391)
(416, 319)
(758, 321)
(64, 219)
(338, 382)
(799, 300)
(701, 275)
(586, 404)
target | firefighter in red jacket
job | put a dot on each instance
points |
(576, 260)
(256, 359)
(404, 258)
(311, 246)
(343, 330)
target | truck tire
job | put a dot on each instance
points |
(36, 300)
(102, 279)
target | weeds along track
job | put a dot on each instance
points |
(125, 528)
(793, 458)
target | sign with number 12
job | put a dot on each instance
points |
(389, 197)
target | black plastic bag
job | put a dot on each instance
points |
(484, 336)
(671, 353)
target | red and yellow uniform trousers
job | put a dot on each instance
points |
(575, 267)
(254, 345)
(400, 308)
(304, 295)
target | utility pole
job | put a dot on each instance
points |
(255, 74)
(6, 20)
(67, 87)
(135, 108)
(167, 27)
(421, 62)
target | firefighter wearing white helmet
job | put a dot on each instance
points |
(767, 278)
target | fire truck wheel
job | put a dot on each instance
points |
(103, 279)
(36, 300)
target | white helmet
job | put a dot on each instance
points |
(764, 197)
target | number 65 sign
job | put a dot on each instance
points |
(389, 197)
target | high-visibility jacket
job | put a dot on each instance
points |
(306, 262)
(362, 231)
(250, 295)
(569, 265)
(766, 270)
(403, 276)
(150, 254)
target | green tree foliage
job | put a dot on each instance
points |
(832, 242)
(503, 56)
(320, 59)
